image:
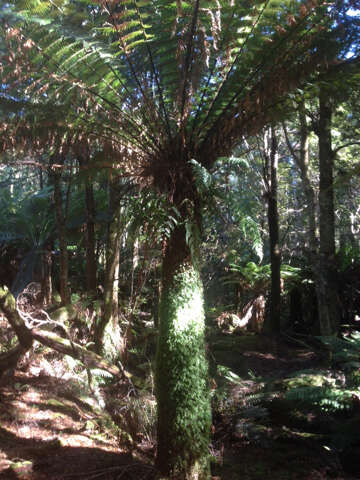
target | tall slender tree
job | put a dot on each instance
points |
(271, 178)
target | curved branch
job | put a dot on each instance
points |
(26, 337)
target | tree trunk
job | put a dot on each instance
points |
(46, 279)
(90, 266)
(304, 165)
(8, 306)
(328, 302)
(182, 387)
(83, 156)
(273, 219)
(109, 317)
(61, 230)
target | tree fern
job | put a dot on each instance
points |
(158, 85)
(141, 55)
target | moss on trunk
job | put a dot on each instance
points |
(182, 386)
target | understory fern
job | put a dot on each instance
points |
(327, 398)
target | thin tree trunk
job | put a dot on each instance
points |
(61, 230)
(271, 156)
(304, 166)
(328, 303)
(112, 261)
(83, 156)
(115, 297)
(90, 267)
(41, 180)
(182, 388)
(46, 279)
(302, 160)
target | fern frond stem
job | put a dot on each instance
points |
(251, 76)
(97, 95)
(84, 87)
(262, 65)
(156, 76)
(235, 61)
(188, 60)
(133, 72)
(210, 76)
(119, 135)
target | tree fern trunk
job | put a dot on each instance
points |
(181, 371)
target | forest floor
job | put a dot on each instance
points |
(49, 430)
(256, 448)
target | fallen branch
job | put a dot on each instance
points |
(68, 347)
(26, 336)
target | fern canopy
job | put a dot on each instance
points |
(170, 81)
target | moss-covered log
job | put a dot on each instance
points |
(182, 387)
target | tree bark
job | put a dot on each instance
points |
(83, 156)
(328, 302)
(109, 317)
(303, 163)
(61, 230)
(271, 156)
(46, 279)
(90, 266)
(182, 387)
(8, 306)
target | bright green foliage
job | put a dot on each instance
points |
(182, 376)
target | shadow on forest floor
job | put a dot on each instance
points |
(47, 433)
(254, 355)
(263, 447)
(50, 431)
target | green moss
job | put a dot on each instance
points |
(64, 314)
(182, 379)
(112, 341)
(304, 379)
(56, 297)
